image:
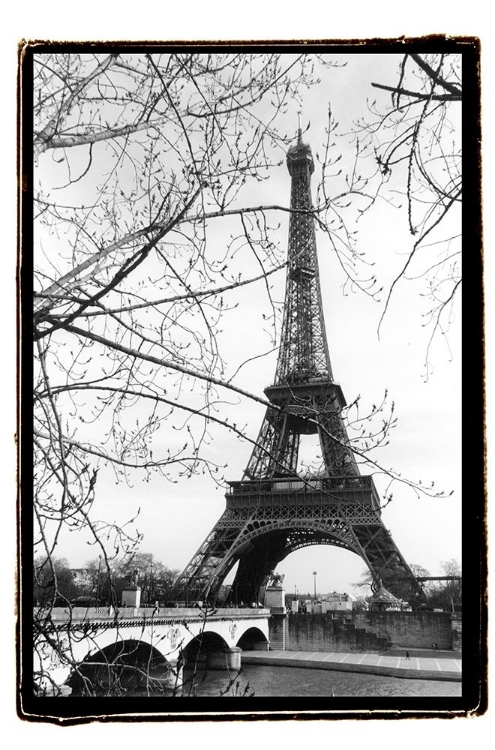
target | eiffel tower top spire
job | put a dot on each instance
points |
(303, 390)
(303, 354)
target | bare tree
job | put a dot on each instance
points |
(413, 155)
(136, 156)
(53, 582)
(148, 151)
(447, 594)
(404, 588)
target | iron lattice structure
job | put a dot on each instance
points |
(273, 510)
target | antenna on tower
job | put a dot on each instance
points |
(299, 130)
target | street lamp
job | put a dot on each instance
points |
(98, 580)
(314, 574)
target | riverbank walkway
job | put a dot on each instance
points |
(421, 665)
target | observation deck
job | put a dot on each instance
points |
(324, 491)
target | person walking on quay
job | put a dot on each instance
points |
(407, 655)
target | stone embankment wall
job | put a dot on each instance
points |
(457, 631)
(278, 630)
(365, 631)
(318, 632)
(413, 629)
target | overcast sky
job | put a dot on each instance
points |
(175, 518)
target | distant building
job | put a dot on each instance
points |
(333, 602)
(384, 600)
(336, 602)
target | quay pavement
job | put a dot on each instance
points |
(421, 665)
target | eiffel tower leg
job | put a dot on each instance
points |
(254, 568)
(199, 580)
(386, 563)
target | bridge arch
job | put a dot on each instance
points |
(122, 667)
(199, 649)
(253, 639)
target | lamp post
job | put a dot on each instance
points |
(314, 574)
(98, 581)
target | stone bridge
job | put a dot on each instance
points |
(156, 642)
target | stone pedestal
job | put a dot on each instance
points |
(131, 597)
(275, 598)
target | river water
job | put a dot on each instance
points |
(268, 681)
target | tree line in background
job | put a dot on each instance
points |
(58, 584)
(93, 585)
(440, 594)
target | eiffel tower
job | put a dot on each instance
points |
(274, 510)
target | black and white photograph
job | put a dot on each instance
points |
(255, 391)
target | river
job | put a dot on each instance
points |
(261, 681)
(268, 681)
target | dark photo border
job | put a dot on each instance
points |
(69, 710)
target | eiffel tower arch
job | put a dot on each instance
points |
(273, 511)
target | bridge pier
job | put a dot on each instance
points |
(261, 645)
(278, 630)
(229, 659)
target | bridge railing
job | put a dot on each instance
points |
(149, 613)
